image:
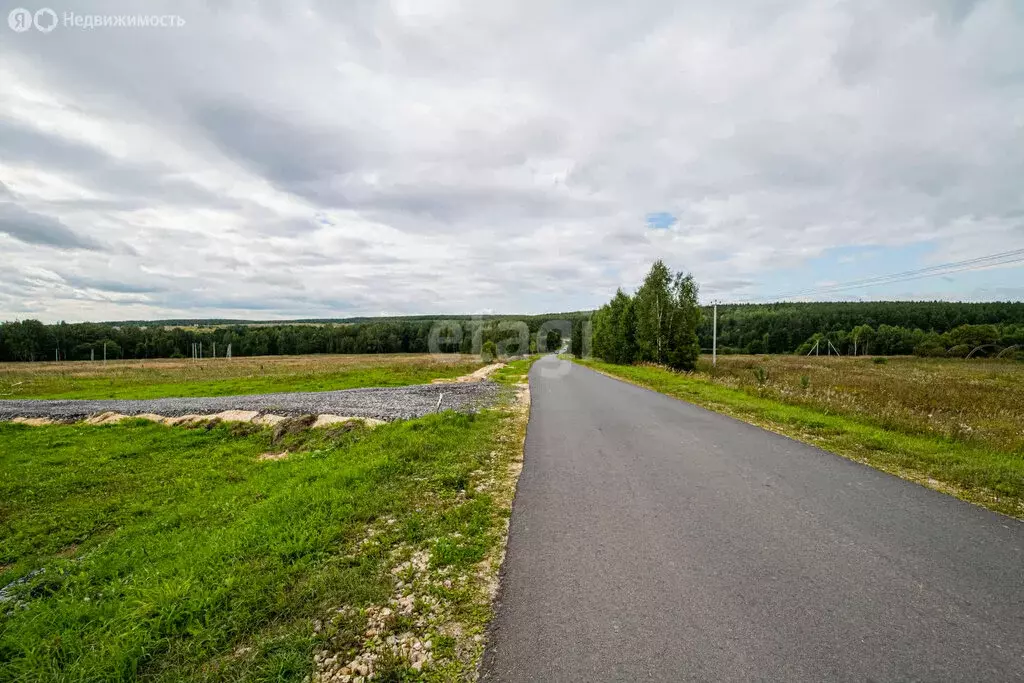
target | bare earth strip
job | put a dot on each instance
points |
(476, 376)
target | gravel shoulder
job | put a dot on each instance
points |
(385, 403)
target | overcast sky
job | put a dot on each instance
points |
(362, 158)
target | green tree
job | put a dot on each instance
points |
(667, 315)
(615, 330)
(653, 306)
(863, 336)
(489, 352)
(553, 341)
(684, 347)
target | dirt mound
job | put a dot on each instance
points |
(476, 376)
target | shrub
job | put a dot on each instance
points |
(930, 349)
(879, 360)
(805, 382)
(761, 375)
(959, 351)
(489, 352)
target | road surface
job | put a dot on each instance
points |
(654, 540)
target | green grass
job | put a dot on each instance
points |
(166, 554)
(515, 372)
(973, 470)
(223, 377)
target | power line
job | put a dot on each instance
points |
(956, 266)
(979, 263)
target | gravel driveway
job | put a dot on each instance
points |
(382, 403)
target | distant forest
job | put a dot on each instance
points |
(881, 328)
(926, 328)
(31, 340)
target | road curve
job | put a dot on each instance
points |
(654, 540)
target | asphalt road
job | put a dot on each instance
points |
(654, 540)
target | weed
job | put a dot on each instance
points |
(291, 426)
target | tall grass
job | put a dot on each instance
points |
(977, 401)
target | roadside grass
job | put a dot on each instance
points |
(160, 378)
(976, 465)
(979, 401)
(514, 372)
(140, 551)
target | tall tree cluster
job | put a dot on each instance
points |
(658, 324)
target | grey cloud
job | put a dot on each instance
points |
(117, 286)
(288, 152)
(519, 147)
(136, 184)
(34, 228)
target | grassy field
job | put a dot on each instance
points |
(223, 377)
(953, 425)
(143, 552)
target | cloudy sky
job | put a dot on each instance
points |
(358, 158)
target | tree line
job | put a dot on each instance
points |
(31, 340)
(981, 341)
(650, 325)
(876, 327)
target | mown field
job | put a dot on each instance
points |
(139, 551)
(161, 378)
(951, 424)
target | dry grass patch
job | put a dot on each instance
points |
(980, 401)
(160, 378)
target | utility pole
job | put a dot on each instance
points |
(714, 338)
(104, 353)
